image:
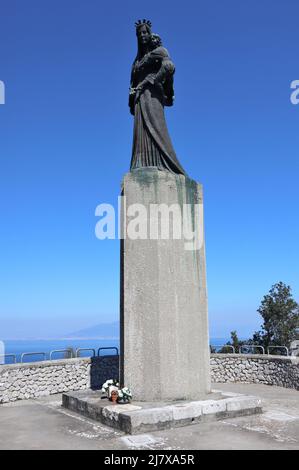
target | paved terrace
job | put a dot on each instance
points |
(44, 424)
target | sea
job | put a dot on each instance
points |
(43, 348)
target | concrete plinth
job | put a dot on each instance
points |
(140, 417)
(164, 324)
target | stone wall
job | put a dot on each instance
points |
(33, 380)
(270, 370)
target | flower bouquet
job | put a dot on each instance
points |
(116, 394)
(124, 395)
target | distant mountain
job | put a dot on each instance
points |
(100, 331)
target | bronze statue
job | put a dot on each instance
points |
(151, 89)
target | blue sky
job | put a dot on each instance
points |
(65, 143)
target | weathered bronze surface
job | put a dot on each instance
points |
(151, 89)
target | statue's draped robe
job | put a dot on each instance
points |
(151, 142)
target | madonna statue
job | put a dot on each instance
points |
(151, 89)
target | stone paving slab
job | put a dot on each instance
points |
(142, 417)
(44, 424)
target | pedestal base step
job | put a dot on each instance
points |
(142, 417)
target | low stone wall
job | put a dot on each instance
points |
(270, 370)
(33, 380)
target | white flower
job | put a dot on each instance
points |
(127, 392)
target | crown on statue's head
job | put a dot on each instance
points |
(143, 22)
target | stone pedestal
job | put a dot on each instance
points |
(164, 324)
(140, 417)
